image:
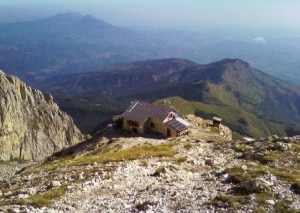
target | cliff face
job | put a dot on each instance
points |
(32, 126)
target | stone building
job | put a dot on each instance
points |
(142, 117)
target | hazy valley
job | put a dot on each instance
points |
(71, 42)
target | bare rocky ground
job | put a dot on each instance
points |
(202, 172)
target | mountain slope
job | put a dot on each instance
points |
(63, 43)
(243, 95)
(32, 126)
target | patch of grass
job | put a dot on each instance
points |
(287, 174)
(197, 169)
(259, 210)
(3, 203)
(296, 148)
(131, 153)
(13, 189)
(188, 146)
(272, 157)
(238, 175)
(283, 207)
(181, 159)
(107, 176)
(159, 171)
(40, 201)
(230, 202)
(45, 199)
(262, 197)
(51, 164)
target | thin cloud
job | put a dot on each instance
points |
(260, 40)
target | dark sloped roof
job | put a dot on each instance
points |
(177, 125)
(140, 111)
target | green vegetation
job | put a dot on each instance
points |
(282, 207)
(197, 169)
(131, 153)
(247, 123)
(159, 171)
(230, 202)
(263, 158)
(181, 159)
(188, 146)
(249, 102)
(262, 197)
(291, 173)
(238, 175)
(227, 88)
(272, 157)
(45, 199)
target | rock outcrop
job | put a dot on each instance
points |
(32, 126)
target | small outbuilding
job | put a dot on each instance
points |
(216, 121)
(142, 117)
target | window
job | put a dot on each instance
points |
(170, 116)
(132, 123)
(152, 125)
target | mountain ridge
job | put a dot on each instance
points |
(70, 43)
(230, 84)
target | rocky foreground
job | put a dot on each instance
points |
(136, 174)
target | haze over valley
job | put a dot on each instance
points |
(72, 42)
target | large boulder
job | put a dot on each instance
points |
(256, 185)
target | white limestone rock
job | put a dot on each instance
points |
(32, 126)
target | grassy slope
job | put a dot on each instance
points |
(234, 117)
(249, 101)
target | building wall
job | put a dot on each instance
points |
(130, 128)
(173, 133)
(159, 127)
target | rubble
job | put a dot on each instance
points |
(190, 180)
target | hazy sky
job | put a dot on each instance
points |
(165, 13)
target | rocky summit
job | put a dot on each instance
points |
(204, 171)
(32, 126)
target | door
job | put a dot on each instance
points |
(168, 132)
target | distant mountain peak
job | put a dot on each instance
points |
(166, 61)
(236, 61)
(89, 19)
(78, 18)
(69, 16)
(233, 65)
